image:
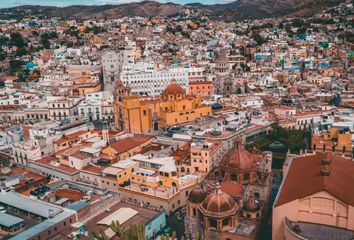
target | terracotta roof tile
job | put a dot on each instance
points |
(304, 178)
(125, 144)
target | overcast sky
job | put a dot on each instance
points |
(13, 3)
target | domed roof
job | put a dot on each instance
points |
(221, 56)
(239, 157)
(173, 89)
(219, 203)
(197, 195)
(232, 188)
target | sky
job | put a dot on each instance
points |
(61, 3)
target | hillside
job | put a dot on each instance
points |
(241, 9)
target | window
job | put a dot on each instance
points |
(226, 222)
(213, 223)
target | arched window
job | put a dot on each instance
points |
(226, 222)
(213, 223)
(156, 126)
(194, 212)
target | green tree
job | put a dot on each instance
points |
(3, 40)
(117, 228)
(135, 232)
(17, 40)
(15, 65)
(295, 140)
(101, 235)
(21, 51)
(258, 38)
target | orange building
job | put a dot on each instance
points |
(203, 89)
(124, 148)
(336, 140)
(173, 107)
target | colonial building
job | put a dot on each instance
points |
(225, 81)
(316, 199)
(63, 108)
(225, 210)
(173, 107)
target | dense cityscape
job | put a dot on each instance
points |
(184, 126)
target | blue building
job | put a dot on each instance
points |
(155, 225)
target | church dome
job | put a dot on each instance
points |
(221, 57)
(197, 195)
(232, 189)
(219, 204)
(238, 157)
(173, 89)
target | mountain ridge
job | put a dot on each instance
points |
(237, 10)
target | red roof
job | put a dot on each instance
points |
(238, 157)
(232, 188)
(126, 144)
(71, 194)
(173, 89)
(304, 178)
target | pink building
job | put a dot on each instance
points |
(316, 199)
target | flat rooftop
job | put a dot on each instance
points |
(52, 214)
(34, 206)
(8, 220)
(318, 231)
(143, 216)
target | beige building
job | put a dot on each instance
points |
(316, 199)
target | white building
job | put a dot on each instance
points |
(23, 152)
(97, 106)
(62, 108)
(251, 102)
(112, 64)
(146, 79)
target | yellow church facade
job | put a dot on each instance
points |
(137, 115)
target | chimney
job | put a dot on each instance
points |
(326, 161)
(325, 172)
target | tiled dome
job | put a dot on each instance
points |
(197, 195)
(219, 204)
(173, 89)
(239, 157)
